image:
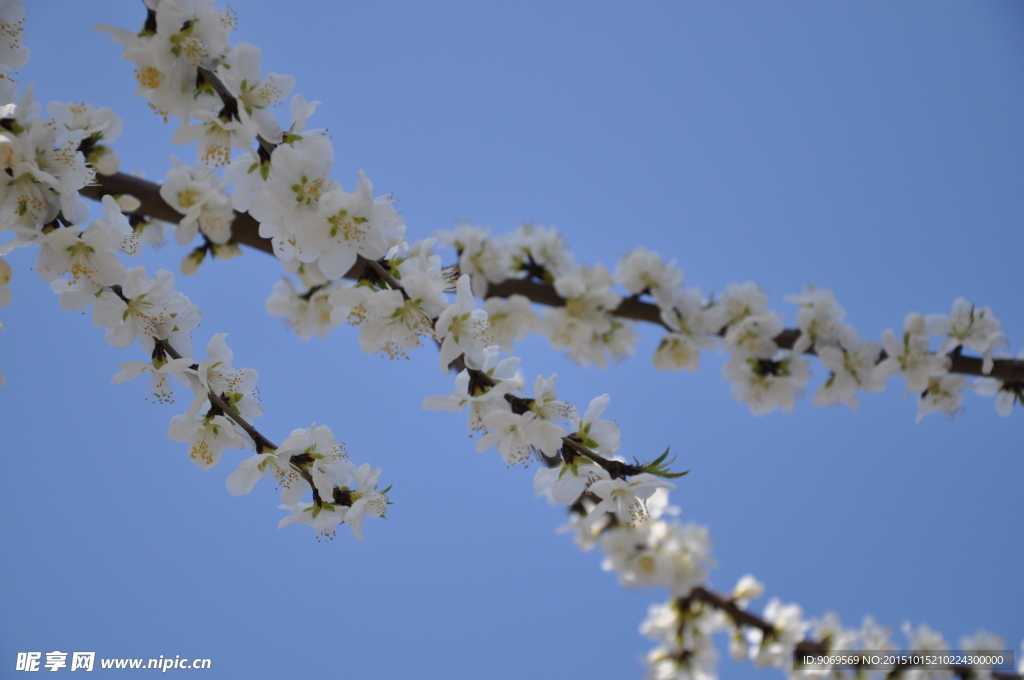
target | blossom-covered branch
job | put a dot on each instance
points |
(284, 202)
(245, 230)
(683, 627)
(766, 368)
(49, 161)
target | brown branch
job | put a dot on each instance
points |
(383, 273)
(741, 617)
(245, 231)
(231, 105)
(298, 462)
(615, 468)
(261, 442)
(728, 606)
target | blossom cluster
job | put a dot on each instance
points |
(49, 161)
(311, 460)
(683, 628)
(767, 364)
(181, 55)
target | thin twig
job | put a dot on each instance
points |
(262, 443)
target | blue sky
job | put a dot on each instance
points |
(871, 148)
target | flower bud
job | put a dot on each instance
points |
(190, 263)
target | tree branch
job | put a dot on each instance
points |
(245, 230)
(743, 618)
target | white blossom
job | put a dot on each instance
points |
(153, 311)
(481, 398)
(853, 368)
(600, 436)
(584, 326)
(324, 518)
(298, 177)
(485, 260)
(254, 93)
(198, 194)
(317, 451)
(625, 497)
(981, 642)
(545, 400)
(658, 553)
(694, 324)
(538, 246)
(366, 500)
(746, 589)
(643, 271)
(565, 482)
(943, 394)
(922, 639)
(101, 126)
(777, 650)
(910, 356)
(743, 300)
(346, 226)
(207, 437)
(159, 370)
(819, 319)
(307, 314)
(236, 386)
(509, 320)
(462, 329)
(754, 335)
(300, 110)
(88, 255)
(44, 168)
(515, 434)
(970, 327)
(275, 464)
(767, 384)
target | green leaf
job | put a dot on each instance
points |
(659, 467)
